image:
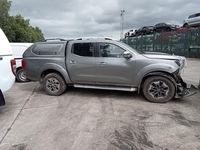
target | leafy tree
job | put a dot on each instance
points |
(23, 32)
(4, 15)
(16, 28)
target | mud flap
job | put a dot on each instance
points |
(2, 100)
(188, 91)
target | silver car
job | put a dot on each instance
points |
(192, 20)
(105, 64)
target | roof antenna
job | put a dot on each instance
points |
(78, 33)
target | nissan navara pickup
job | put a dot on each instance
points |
(105, 64)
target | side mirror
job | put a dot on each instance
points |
(127, 55)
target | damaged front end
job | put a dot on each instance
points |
(182, 88)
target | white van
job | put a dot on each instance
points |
(7, 66)
(18, 50)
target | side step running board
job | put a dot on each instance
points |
(106, 87)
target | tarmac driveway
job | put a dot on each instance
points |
(85, 119)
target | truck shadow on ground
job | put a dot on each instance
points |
(112, 94)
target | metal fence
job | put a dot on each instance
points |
(185, 42)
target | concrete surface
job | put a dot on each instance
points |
(84, 119)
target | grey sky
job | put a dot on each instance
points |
(95, 18)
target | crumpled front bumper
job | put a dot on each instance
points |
(183, 90)
(186, 92)
(2, 100)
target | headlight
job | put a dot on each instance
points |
(177, 62)
(181, 62)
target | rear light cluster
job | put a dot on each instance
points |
(23, 64)
(13, 66)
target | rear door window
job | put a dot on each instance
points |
(83, 49)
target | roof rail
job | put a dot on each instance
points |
(54, 39)
(105, 38)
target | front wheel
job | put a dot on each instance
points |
(158, 89)
(54, 84)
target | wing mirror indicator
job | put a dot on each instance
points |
(127, 55)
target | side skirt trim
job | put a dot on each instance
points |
(106, 87)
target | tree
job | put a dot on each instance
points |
(4, 15)
(16, 28)
(23, 32)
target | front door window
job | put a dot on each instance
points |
(110, 50)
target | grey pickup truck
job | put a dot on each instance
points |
(105, 64)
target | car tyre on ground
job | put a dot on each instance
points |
(54, 84)
(169, 29)
(20, 76)
(158, 89)
(186, 25)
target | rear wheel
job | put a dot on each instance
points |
(143, 33)
(158, 89)
(54, 84)
(168, 29)
(21, 76)
(186, 25)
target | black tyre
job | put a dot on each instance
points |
(186, 25)
(169, 29)
(54, 84)
(158, 89)
(21, 76)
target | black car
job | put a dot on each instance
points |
(144, 30)
(165, 27)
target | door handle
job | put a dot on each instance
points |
(72, 62)
(1, 58)
(102, 63)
